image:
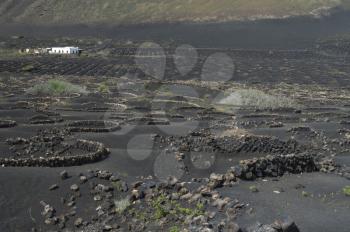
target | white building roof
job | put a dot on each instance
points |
(65, 48)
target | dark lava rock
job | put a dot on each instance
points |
(78, 222)
(53, 187)
(327, 165)
(106, 175)
(64, 175)
(232, 227)
(48, 211)
(83, 179)
(300, 129)
(258, 227)
(286, 225)
(299, 186)
(74, 187)
(216, 181)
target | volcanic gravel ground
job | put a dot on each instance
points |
(237, 162)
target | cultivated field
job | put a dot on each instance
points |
(135, 136)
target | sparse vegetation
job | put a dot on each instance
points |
(163, 207)
(253, 189)
(117, 185)
(28, 68)
(305, 194)
(121, 205)
(103, 88)
(10, 52)
(56, 88)
(257, 99)
(174, 229)
(140, 215)
(346, 191)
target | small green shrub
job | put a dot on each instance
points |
(305, 194)
(161, 206)
(103, 88)
(159, 213)
(56, 88)
(117, 185)
(200, 206)
(174, 229)
(253, 189)
(346, 191)
(140, 215)
(121, 205)
(28, 68)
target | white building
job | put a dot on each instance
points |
(64, 50)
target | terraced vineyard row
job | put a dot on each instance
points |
(251, 66)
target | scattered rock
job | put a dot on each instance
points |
(78, 222)
(299, 186)
(286, 225)
(64, 175)
(216, 181)
(53, 187)
(233, 227)
(253, 189)
(74, 187)
(83, 179)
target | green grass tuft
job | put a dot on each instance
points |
(305, 194)
(121, 205)
(253, 189)
(161, 206)
(28, 68)
(346, 191)
(174, 229)
(103, 88)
